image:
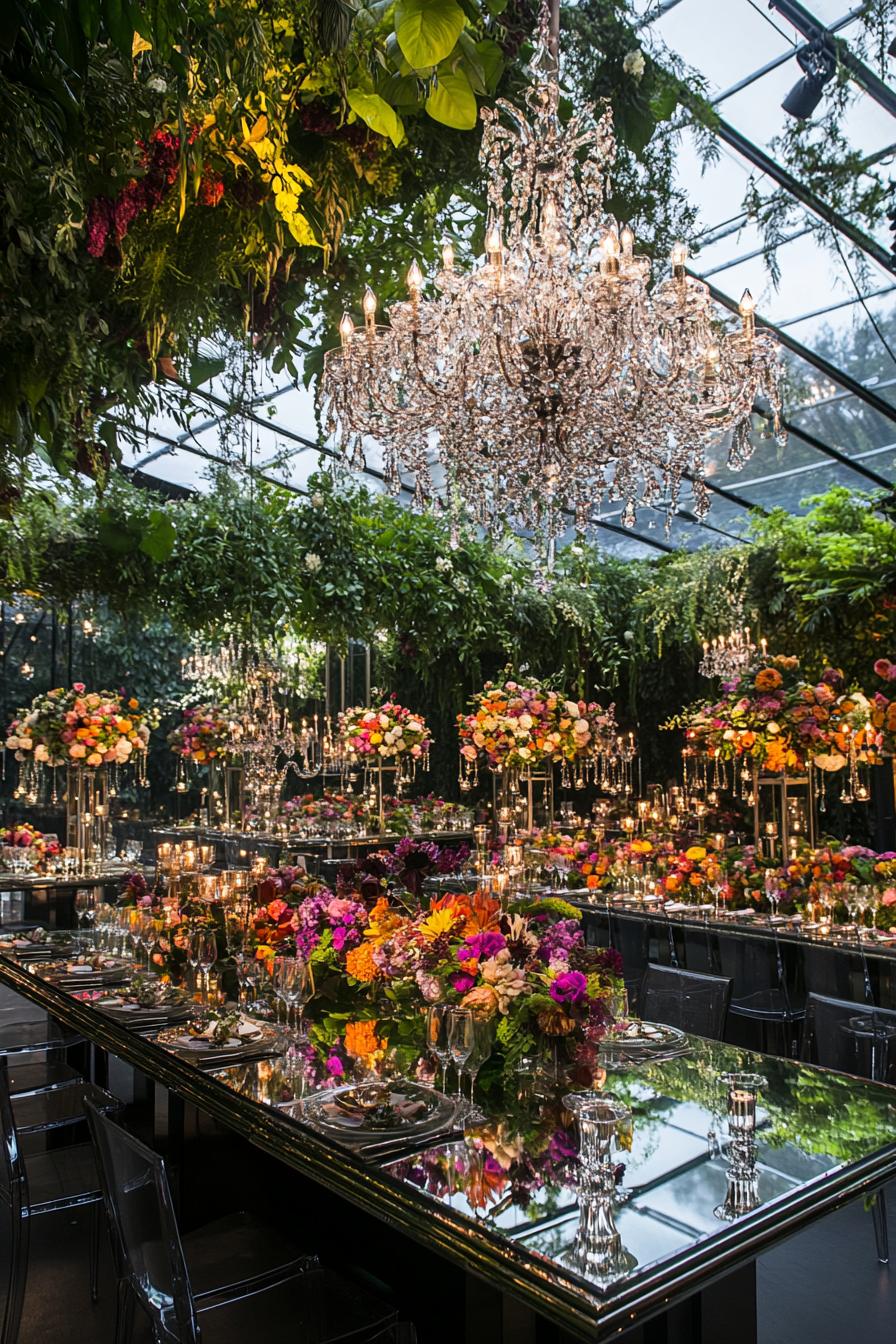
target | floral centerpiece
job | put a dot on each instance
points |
(528, 968)
(79, 728)
(384, 733)
(509, 726)
(22, 835)
(695, 871)
(772, 716)
(517, 725)
(204, 734)
(582, 859)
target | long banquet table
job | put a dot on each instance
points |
(842, 966)
(507, 1217)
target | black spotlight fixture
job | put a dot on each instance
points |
(819, 61)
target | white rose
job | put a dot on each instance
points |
(383, 751)
(12, 743)
(772, 728)
(524, 753)
(572, 709)
(525, 720)
(398, 732)
(634, 64)
(415, 726)
(41, 753)
(369, 718)
(581, 726)
(384, 720)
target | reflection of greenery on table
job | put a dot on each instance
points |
(813, 1109)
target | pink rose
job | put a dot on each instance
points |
(77, 750)
(889, 896)
(78, 686)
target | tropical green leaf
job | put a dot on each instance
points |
(452, 101)
(427, 30)
(377, 113)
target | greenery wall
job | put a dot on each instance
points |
(343, 563)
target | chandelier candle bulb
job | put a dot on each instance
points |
(415, 281)
(447, 256)
(610, 249)
(368, 304)
(748, 313)
(627, 239)
(679, 258)
(346, 332)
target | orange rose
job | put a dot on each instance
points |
(768, 679)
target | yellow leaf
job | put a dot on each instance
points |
(259, 130)
(302, 231)
(139, 44)
(209, 121)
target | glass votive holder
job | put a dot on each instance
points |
(742, 1092)
(597, 1118)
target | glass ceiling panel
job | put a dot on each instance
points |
(703, 33)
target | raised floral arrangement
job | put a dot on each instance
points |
(384, 732)
(204, 734)
(509, 725)
(772, 716)
(79, 727)
(515, 725)
(25, 836)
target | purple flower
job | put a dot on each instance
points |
(335, 1067)
(570, 987)
(832, 676)
(559, 940)
(462, 983)
(482, 946)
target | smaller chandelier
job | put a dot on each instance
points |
(727, 656)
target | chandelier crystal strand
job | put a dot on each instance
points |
(551, 377)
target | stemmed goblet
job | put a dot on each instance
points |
(461, 1043)
(437, 1036)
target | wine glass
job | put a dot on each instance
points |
(461, 1041)
(773, 892)
(293, 985)
(437, 1036)
(85, 910)
(482, 1050)
(206, 955)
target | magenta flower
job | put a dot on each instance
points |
(570, 987)
(482, 946)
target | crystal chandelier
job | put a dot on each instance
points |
(551, 377)
(727, 656)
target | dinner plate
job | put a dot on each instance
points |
(196, 1047)
(644, 1039)
(332, 1111)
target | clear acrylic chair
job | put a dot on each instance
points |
(689, 1000)
(182, 1283)
(32, 1186)
(858, 1039)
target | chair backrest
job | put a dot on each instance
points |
(13, 1178)
(688, 1000)
(628, 934)
(141, 1213)
(850, 1037)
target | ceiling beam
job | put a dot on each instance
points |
(774, 170)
